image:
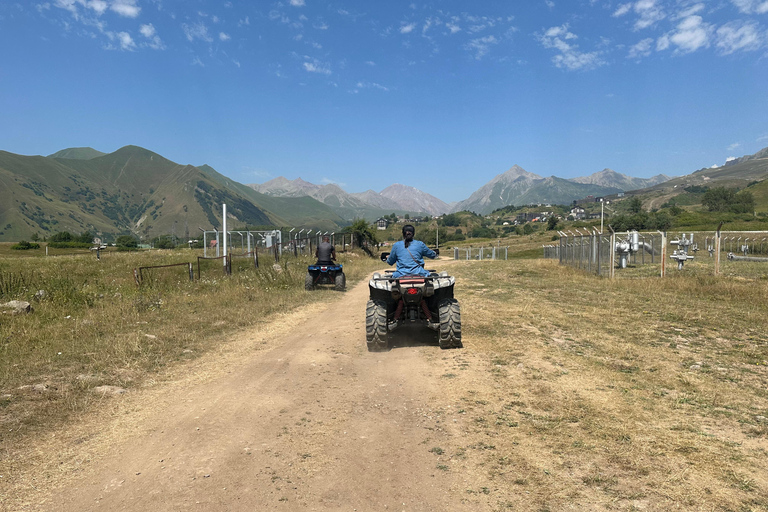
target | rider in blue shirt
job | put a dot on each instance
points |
(409, 255)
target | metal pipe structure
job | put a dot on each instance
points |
(733, 257)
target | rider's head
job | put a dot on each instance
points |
(408, 232)
(326, 239)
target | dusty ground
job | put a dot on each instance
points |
(294, 416)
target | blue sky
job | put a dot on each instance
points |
(439, 95)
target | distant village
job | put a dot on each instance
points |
(534, 213)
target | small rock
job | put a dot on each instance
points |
(16, 307)
(40, 295)
(87, 378)
(695, 367)
(151, 336)
(277, 268)
(110, 390)
(761, 419)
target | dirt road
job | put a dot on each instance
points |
(298, 417)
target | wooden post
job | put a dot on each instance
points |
(717, 250)
(612, 252)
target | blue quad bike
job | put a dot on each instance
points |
(412, 302)
(325, 274)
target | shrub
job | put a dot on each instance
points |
(24, 246)
(125, 242)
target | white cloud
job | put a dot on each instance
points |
(453, 28)
(622, 10)
(690, 11)
(98, 6)
(691, 34)
(315, 66)
(550, 4)
(127, 8)
(407, 29)
(224, 37)
(481, 46)
(196, 31)
(730, 158)
(370, 85)
(739, 36)
(734, 146)
(297, 3)
(662, 43)
(147, 30)
(641, 49)
(649, 12)
(570, 57)
(751, 6)
(124, 39)
(150, 33)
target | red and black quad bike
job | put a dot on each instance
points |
(412, 301)
(325, 274)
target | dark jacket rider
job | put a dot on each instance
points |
(325, 252)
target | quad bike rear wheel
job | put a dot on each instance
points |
(340, 282)
(450, 324)
(309, 282)
(376, 325)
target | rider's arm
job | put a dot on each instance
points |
(392, 256)
(429, 253)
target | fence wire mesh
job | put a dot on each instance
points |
(480, 253)
(626, 254)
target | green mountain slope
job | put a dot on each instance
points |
(554, 190)
(745, 171)
(132, 190)
(77, 153)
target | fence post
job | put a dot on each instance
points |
(663, 253)
(612, 270)
(135, 276)
(717, 250)
(191, 272)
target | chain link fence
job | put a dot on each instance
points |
(480, 253)
(642, 254)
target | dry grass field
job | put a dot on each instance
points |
(573, 391)
(636, 394)
(95, 327)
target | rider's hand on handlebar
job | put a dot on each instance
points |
(384, 256)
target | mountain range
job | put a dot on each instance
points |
(514, 187)
(369, 204)
(134, 190)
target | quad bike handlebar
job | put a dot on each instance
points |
(385, 255)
